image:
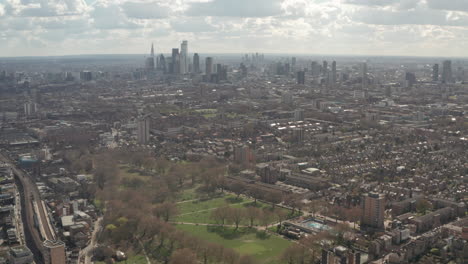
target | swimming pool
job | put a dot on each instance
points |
(316, 225)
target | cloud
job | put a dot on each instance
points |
(195, 25)
(409, 17)
(2, 10)
(454, 5)
(371, 2)
(238, 8)
(47, 8)
(111, 17)
(144, 10)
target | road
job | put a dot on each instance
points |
(85, 253)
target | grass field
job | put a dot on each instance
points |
(265, 248)
(200, 211)
(131, 260)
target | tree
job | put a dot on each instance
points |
(315, 206)
(423, 205)
(252, 213)
(220, 214)
(281, 215)
(236, 215)
(238, 188)
(296, 253)
(293, 201)
(354, 215)
(183, 256)
(265, 218)
(246, 260)
(274, 198)
(165, 210)
(255, 193)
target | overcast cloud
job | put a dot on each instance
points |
(355, 27)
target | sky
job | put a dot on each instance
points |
(341, 27)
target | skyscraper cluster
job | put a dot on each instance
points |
(179, 63)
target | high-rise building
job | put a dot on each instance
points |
(175, 66)
(333, 76)
(30, 108)
(243, 155)
(364, 74)
(54, 252)
(324, 68)
(315, 69)
(149, 63)
(435, 73)
(196, 63)
(143, 130)
(410, 78)
(183, 57)
(162, 63)
(298, 134)
(298, 115)
(447, 71)
(86, 76)
(373, 209)
(209, 66)
(301, 77)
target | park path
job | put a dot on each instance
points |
(210, 209)
(144, 251)
(205, 224)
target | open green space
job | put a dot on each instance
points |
(138, 259)
(265, 247)
(200, 211)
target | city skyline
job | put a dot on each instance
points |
(337, 27)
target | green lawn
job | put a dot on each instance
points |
(265, 248)
(205, 216)
(194, 206)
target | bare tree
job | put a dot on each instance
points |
(236, 215)
(252, 213)
(220, 214)
(183, 256)
(165, 210)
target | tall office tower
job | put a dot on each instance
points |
(373, 208)
(333, 77)
(209, 67)
(243, 69)
(30, 108)
(149, 63)
(447, 71)
(293, 63)
(54, 252)
(301, 77)
(325, 68)
(315, 69)
(435, 73)
(162, 63)
(410, 78)
(299, 115)
(298, 134)
(143, 130)
(196, 63)
(364, 74)
(175, 68)
(183, 57)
